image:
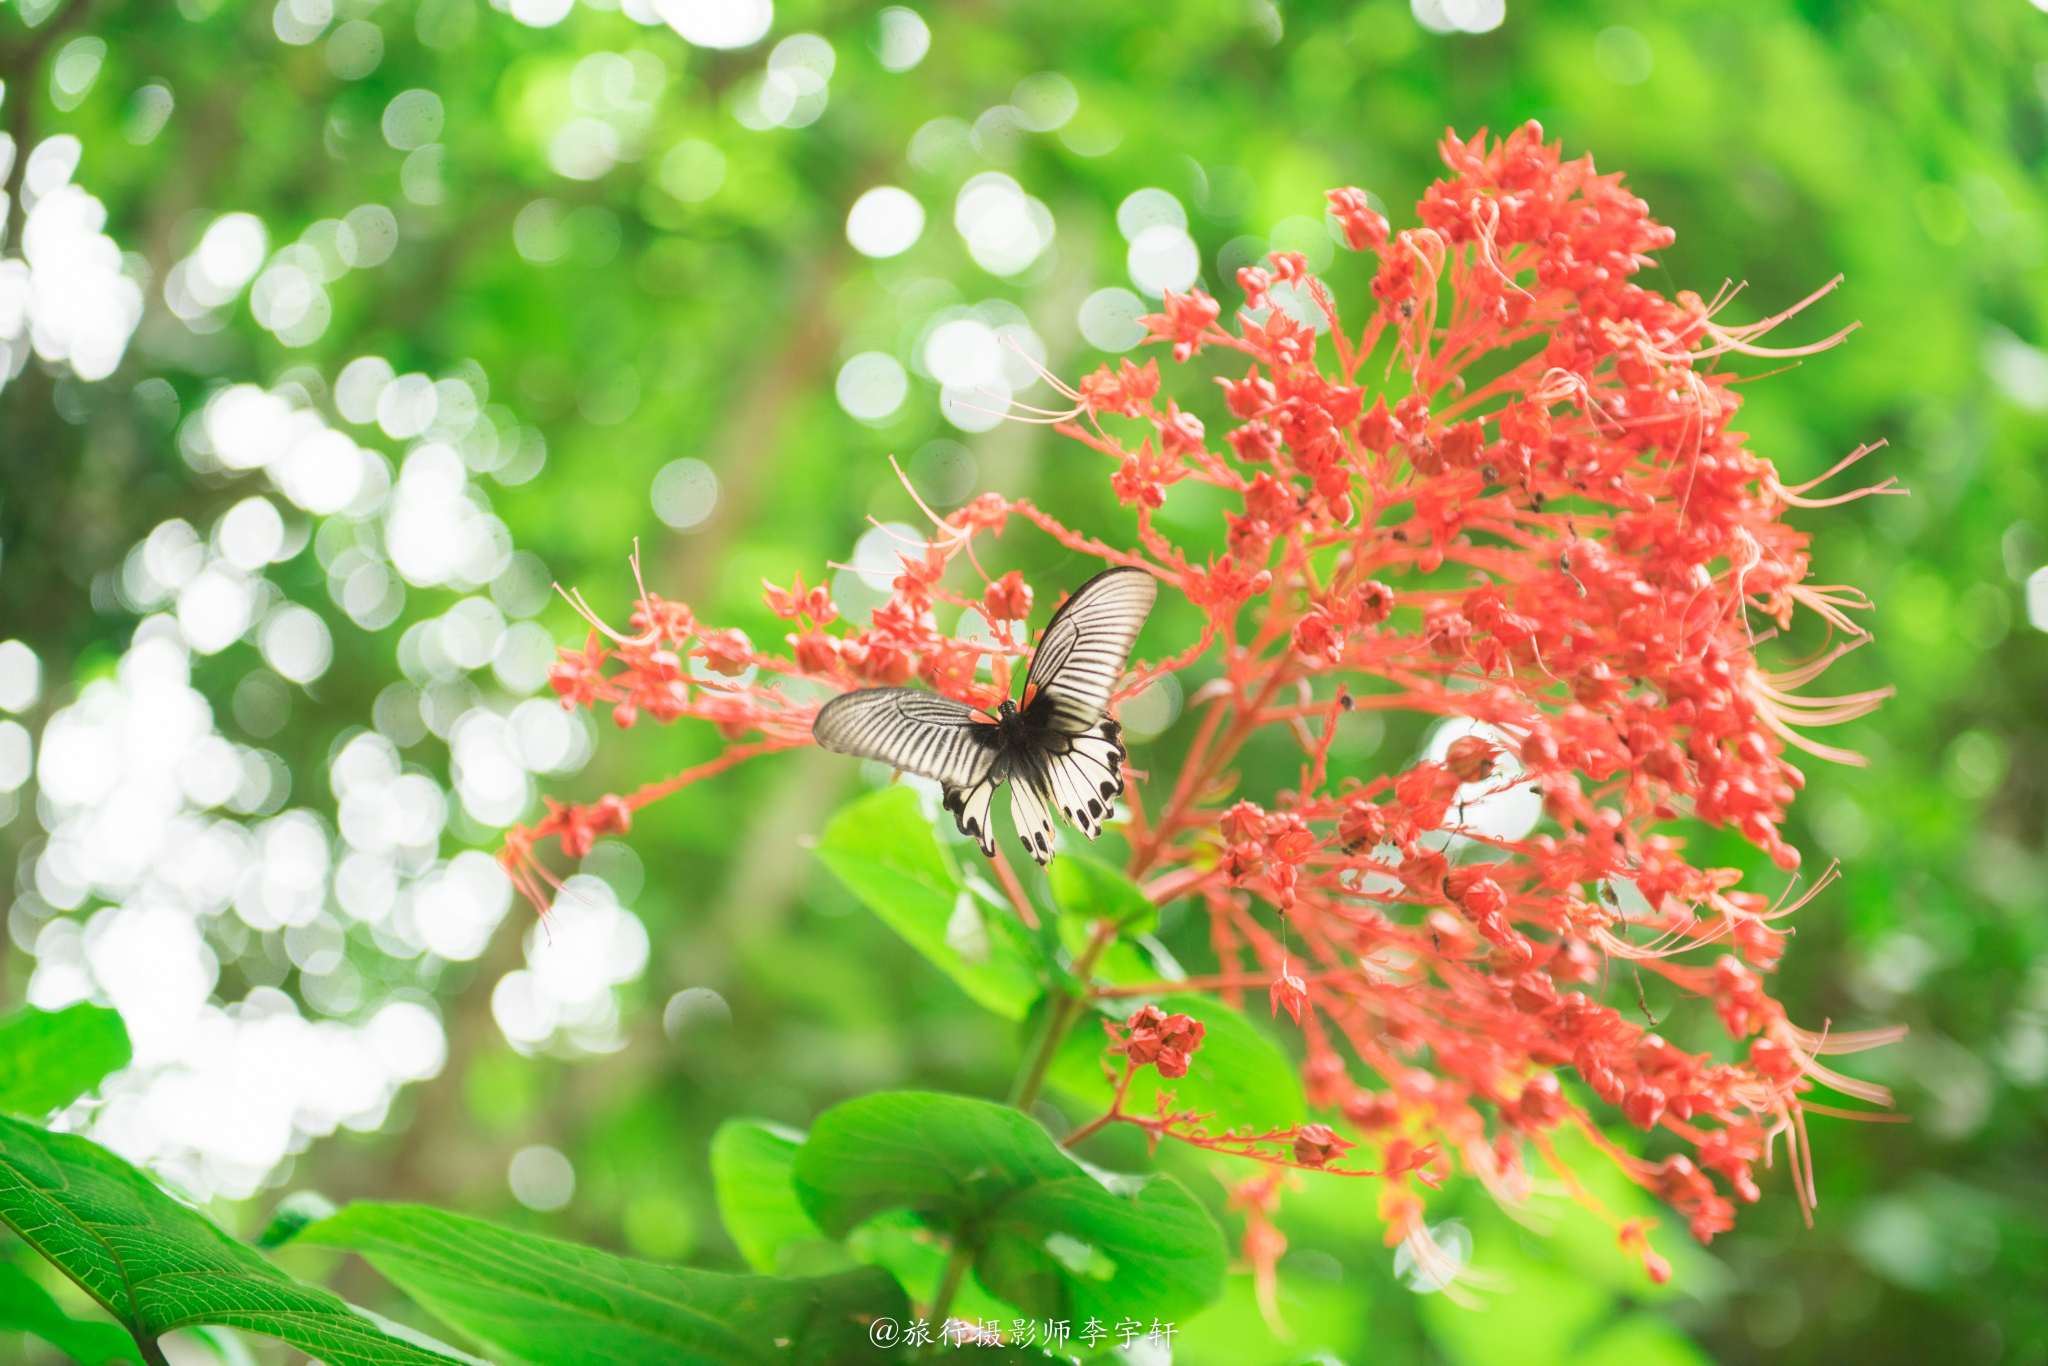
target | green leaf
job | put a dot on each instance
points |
(155, 1264)
(557, 1304)
(50, 1058)
(1052, 1237)
(291, 1216)
(1079, 1249)
(1239, 1075)
(26, 1307)
(915, 1255)
(751, 1161)
(883, 849)
(1090, 889)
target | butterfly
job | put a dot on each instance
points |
(1056, 748)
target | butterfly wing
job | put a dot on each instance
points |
(1084, 649)
(969, 806)
(925, 733)
(1030, 794)
(1088, 776)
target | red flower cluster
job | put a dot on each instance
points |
(1152, 1038)
(1544, 526)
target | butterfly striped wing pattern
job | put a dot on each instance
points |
(927, 733)
(1061, 752)
(1084, 650)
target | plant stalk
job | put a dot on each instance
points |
(949, 1286)
(1059, 1019)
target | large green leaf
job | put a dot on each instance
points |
(51, 1058)
(557, 1304)
(1086, 887)
(1238, 1074)
(1051, 1236)
(1085, 891)
(155, 1264)
(915, 1255)
(26, 1307)
(751, 1161)
(883, 849)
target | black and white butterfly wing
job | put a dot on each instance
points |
(1086, 779)
(1030, 792)
(1084, 649)
(925, 733)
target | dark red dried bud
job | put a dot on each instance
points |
(1539, 751)
(1542, 1101)
(1362, 826)
(1373, 603)
(1316, 1144)
(729, 653)
(1643, 1105)
(1007, 599)
(1472, 758)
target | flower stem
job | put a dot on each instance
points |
(1115, 1111)
(1059, 1018)
(949, 1286)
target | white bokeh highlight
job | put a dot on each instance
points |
(172, 850)
(66, 298)
(886, 221)
(566, 999)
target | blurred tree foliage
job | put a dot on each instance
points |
(1899, 143)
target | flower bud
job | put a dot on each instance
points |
(1542, 1101)
(1316, 1144)
(1362, 825)
(1007, 599)
(1643, 1105)
(728, 653)
(1471, 758)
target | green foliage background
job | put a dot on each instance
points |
(1901, 144)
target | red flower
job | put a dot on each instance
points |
(669, 621)
(580, 826)
(795, 602)
(1290, 991)
(1316, 1144)
(1579, 542)
(1007, 599)
(1318, 636)
(1471, 758)
(815, 652)
(1225, 585)
(1364, 229)
(729, 653)
(578, 679)
(1145, 475)
(1186, 319)
(1180, 434)
(1153, 1038)
(1125, 391)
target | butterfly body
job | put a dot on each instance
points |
(1057, 750)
